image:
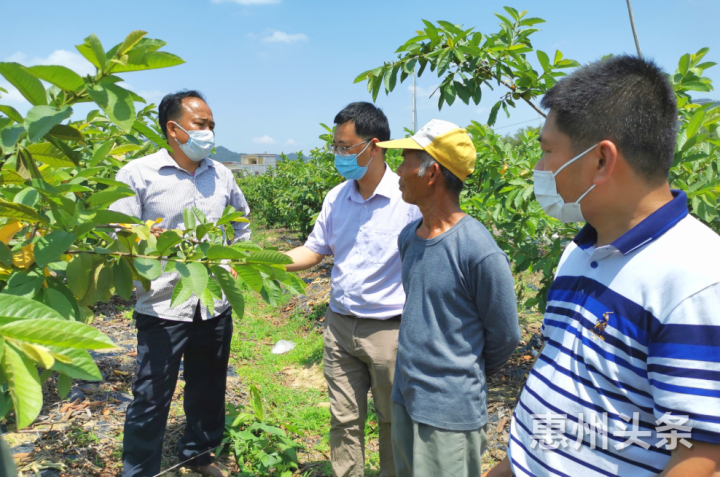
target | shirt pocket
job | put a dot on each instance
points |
(382, 245)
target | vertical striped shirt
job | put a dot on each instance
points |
(631, 333)
(163, 190)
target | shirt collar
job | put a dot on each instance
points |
(166, 160)
(653, 227)
(384, 188)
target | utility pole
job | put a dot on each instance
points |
(632, 24)
(413, 106)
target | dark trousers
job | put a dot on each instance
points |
(162, 345)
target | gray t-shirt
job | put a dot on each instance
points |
(459, 323)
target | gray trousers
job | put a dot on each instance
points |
(425, 451)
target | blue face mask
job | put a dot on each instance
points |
(348, 166)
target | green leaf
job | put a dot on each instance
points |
(233, 293)
(11, 113)
(64, 385)
(200, 215)
(180, 294)
(21, 212)
(124, 149)
(206, 300)
(13, 308)
(48, 331)
(6, 255)
(60, 76)
(49, 154)
(24, 384)
(130, 41)
(82, 366)
(28, 85)
(93, 51)
(50, 247)
(493, 113)
(531, 21)
(78, 274)
(9, 136)
(167, 239)
(66, 133)
(684, 64)
(41, 119)
(148, 267)
(220, 252)
(256, 403)
(695, 123)
(108, 196)
(122, 279)
(251, 276)
(112, 217)
(194, 276)
(140, 59)
(59, 302)
(146, 131)
(189, 219)
(214, 288)
(544, 61)
(116, 102)
(269, 256)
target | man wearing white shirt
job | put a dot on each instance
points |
(359, 224)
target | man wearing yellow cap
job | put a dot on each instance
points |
(460, 317)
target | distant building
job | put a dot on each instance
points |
(253, 163)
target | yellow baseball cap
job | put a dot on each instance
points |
(446, 142)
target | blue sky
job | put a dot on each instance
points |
(272, 70)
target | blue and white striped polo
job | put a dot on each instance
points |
(632, 332)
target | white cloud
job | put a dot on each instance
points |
(481, 110)
(13, 96)
(264, 140)
(69, 59)
(18, 57)
(151, 96)
(249, 2)
(282, 37)
(291, 142)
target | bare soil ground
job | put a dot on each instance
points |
(82, 434)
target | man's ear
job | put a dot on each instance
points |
(606, 163)
(433, 173)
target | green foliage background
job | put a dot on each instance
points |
(500, 191)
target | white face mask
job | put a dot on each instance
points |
(551, 201)
(200, 144)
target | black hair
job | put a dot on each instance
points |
(171, 107)
(623, 99)
(452, 183)
(370, 121)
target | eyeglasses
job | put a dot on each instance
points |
(341, 150)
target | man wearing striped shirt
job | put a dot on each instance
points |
(166, 184)
(628, 383)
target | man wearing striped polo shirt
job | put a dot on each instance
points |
(628, 383)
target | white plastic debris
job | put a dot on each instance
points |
(283, 346)
(535, 353)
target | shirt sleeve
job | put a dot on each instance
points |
(319, 239)
(684, 365)
(128, 205)
(237, 200)
(497, 304)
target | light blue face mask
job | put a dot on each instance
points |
(200, 143)
(348, 166)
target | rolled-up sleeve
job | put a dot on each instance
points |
(319, 239)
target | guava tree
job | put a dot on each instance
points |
(62, 250)
(500, 192)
